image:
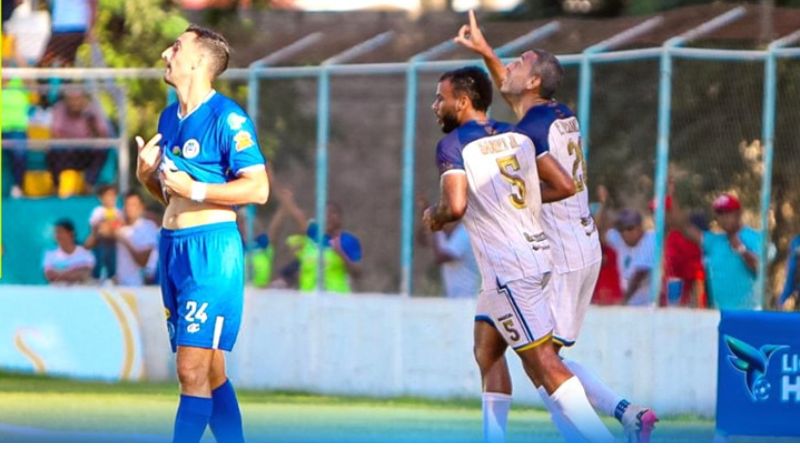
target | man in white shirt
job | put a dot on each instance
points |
(453, 254)
(69, 263)
(635, 249)
(136, 242)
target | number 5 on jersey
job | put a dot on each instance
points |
(506, 165)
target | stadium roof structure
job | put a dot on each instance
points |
(754, 30)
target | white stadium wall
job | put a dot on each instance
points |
(384, 345)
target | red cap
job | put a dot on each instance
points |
(667, 203)
(726, 203)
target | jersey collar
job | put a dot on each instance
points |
(205, 100)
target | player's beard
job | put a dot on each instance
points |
(449, 122)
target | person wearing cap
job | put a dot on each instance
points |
(635, 249)
(730, 255)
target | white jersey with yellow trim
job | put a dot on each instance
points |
(504, 199)
(568, 223)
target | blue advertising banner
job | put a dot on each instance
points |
(75, 332)
(758, 388)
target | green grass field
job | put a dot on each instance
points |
(35, 409)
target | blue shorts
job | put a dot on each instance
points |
(202, 283)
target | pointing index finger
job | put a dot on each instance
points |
(473, 22)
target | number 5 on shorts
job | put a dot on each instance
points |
(512, 332)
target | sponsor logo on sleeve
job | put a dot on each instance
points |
(243, 140)
(235, 121)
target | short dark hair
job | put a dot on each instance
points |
(103, 188)
(549, 70)
(66, 224)
(134, 193)
(215, 44)
(473, 82)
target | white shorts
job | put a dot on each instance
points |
(519, 310)
(572, 293)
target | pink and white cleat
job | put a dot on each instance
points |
(638, 423)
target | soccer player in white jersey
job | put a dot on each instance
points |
(489, 175)
(528, 85)
(203, 163)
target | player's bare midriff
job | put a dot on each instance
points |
(185, 213)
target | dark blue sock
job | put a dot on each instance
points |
(226, 419)
(191, 419)
(620, 409)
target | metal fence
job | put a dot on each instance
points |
(603, 83)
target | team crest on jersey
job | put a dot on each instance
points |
(243, 140)
(191, 148)
(235, 121)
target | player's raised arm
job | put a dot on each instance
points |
(471, 37)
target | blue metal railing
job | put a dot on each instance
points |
(601, 53)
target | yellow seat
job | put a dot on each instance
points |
(71, 183)
(37, 183)
(38, 131)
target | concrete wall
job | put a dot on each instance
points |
(383, 346)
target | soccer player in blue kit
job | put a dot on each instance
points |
(203, 163)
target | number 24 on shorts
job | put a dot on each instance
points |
(193, 312)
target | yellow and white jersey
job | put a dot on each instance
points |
(504, 200)
(568, 223)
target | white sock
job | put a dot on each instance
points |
(570, 399)
(568, 432)
(602, 398)
(495, 416)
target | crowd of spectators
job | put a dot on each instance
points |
(49, 109)
(705, 264)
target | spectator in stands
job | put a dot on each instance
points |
(69, 263)
(683, 263)
(342, 249)
(153, 213)
(791, 287)
(16, 109)
(635, 250)
(104, 221)
(452, 252)
(136, 241)
(72, 22)
(260, 259)
(76, 116)
(730, 255)
(607, 290)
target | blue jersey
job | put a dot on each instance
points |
(202, 267)
(214, 143)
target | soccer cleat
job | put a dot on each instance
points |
(638, 423)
